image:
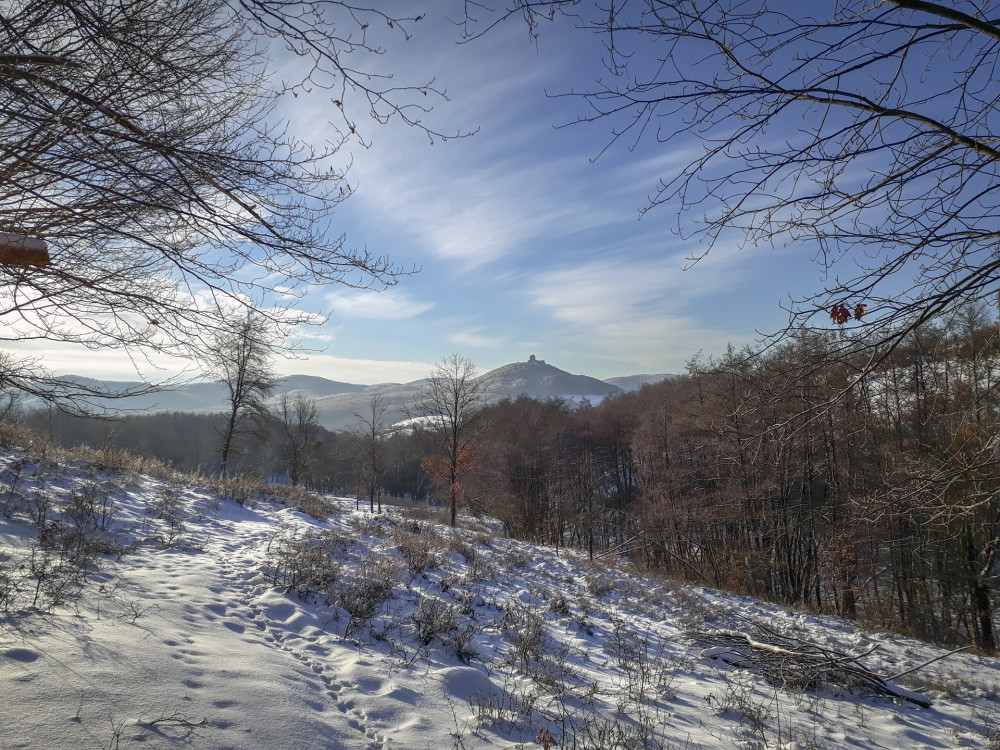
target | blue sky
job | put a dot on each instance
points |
(527, 242)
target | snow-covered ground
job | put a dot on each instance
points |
(205, 624)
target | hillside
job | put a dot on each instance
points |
(209, 624)
(635, 382)
(337, 412)
(538, 379)
(204, 397)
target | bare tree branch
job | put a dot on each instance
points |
(142, 141)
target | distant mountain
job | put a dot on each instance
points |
(337, 403)
(635, 382)
(337, 412)
(538, 379)
(205, 397)
(192, 397)
(316, 387)
(534, 378)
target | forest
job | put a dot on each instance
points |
(817, 472)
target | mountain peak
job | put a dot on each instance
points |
(538, 379)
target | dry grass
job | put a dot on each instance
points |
(418, 544)
(306, 564)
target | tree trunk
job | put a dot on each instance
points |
(227, 444)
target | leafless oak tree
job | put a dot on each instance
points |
(450, 414)
(240, 359)
(298, 417)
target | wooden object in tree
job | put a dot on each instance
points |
(19, 250)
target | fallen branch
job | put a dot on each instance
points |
(792, 663)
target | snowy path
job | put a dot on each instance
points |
(290, 631)
(200, 649)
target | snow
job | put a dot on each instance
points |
(402, 634)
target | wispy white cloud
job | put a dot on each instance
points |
(505, 190)
(391, 304)
(310, 338)
(637, 312)
(361, 371)
(462, 214)
(474, 337)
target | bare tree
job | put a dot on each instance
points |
(450, 414)
(240, 359)
(369, 435)
(10, 396)
(143, 141)
(859, 129)
(299, 420)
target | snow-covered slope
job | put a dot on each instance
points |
(207, 624)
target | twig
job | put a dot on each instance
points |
(176, 718)
(930, 661)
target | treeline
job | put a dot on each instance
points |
(860, 484)
(190, 443)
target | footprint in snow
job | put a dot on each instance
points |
(23, 655)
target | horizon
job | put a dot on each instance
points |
(284, 375)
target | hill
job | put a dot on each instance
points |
(316, 387)
(136, 612)
(537, 379)
(635, 382)
(337, 412)
(202, 397)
